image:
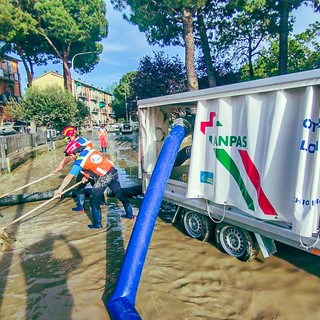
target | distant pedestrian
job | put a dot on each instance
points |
(103, 136)
(74, 141)
(102, 170)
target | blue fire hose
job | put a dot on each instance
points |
(122, 303)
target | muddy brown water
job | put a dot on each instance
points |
(60, 269)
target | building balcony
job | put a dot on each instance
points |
(82, 95)
(94, 97)
(6, 97)
(8, 76)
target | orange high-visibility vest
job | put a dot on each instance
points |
(102, 132)
(93, 161)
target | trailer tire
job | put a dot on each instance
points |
(236, 242)
(196, 225)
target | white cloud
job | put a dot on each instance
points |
(114, 47)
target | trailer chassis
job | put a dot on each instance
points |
(266, 232)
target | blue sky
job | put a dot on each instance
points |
(126, 45)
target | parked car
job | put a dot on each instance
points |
(7, 129)
(126, 128)
(20, 126)
(135, 125)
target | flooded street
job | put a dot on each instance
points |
(58, 268)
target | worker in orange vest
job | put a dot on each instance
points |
(103, 136)
(74, 141)
(95, 166)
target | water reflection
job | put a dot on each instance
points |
(115, 248)
(6, 259)
(46, 265)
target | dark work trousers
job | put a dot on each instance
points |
(110, 180)
(81, 192)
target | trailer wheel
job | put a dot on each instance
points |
(236, 242)
(196, 225)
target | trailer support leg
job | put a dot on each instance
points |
(267, 245)
(175, 215)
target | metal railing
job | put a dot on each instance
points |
(15, 143)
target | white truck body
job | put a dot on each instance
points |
(255, 160)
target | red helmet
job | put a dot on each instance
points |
(71, 146)
(69, 131)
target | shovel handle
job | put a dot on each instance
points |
(36, 208)
(28, 184)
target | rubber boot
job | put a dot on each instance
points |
(96, 214)
(80, 202)
(128, 209)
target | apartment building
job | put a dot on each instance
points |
(97, 100)
(10, 87)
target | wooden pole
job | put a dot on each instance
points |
(36, 208)
(29, 184)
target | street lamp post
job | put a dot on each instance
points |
(74, 92)
(125, 99)
(73, 82)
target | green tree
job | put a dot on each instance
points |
(168, 22)
(284, 9)
(17, 32)
(123, 96)
(158, 76)
(205, 45)
(68, 27)
(49, 107)
(71, 27)
(242, 32)
(303, 53)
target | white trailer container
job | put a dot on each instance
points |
(251, 165)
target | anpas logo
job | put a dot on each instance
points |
(206, 177)
(218, 141)
(96, 158)
(230, 141)
(233, 166)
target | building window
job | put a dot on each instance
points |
(1, 73)
(16, 76)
